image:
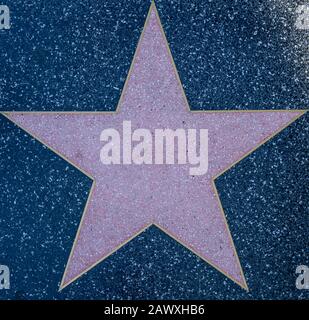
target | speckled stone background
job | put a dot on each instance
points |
(75, 55)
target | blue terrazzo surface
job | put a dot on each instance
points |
(75, 55)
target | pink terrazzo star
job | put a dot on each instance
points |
(126, 199)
